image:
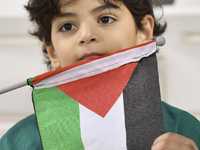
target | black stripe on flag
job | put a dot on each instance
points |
(142, 103)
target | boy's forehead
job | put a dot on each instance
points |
(65, 3)
(72, 4)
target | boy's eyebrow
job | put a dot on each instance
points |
(95, 10)
(103, 7)
(68, 14)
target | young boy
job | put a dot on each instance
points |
(78, 30)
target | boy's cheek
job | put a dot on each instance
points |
(116, 44)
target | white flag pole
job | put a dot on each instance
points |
(13, 87)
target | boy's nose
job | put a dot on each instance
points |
(88, 35)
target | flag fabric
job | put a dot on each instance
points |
(108, 103)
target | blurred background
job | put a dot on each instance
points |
(179, 59)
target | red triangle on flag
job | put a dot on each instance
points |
(100, 92)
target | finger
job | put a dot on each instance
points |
(176, 138)
(172, 136)
(171, 145)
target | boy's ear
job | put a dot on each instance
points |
(145, 34)
(52, 55)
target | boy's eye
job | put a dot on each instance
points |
(106, 19)
(67, 27)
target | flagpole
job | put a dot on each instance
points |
(13, 87)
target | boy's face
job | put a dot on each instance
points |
(88, 29)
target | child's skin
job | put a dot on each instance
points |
(90, 27)
(87, 29)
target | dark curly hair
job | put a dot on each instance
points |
(43, 11)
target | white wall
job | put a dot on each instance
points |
(179, 61)
(21, 58)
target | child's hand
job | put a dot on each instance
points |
(173, 141)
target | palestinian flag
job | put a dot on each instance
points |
(108, 103)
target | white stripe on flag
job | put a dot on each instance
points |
(98, 66)
(106, 133)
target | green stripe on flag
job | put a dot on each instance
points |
(58, 119)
